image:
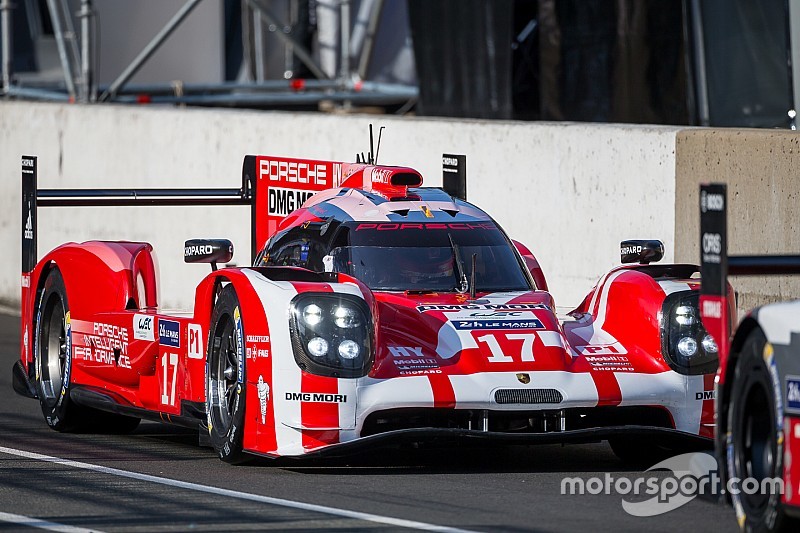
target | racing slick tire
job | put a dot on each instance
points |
(225, 378)
(754, 447)
(53, 363)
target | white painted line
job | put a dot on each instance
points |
(399, 522)
(42, 524)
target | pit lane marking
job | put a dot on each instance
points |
(368, 517)
(21, 520)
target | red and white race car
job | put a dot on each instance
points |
(376, 311)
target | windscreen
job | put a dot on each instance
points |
(428, 257)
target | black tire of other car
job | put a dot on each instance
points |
(53, 361)
(225, 381)
(757, 452)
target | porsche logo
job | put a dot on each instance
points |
(524, 378)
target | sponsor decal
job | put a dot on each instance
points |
(282, 201)
(712, 247)
(169, 333)
(712, 309)
(381, 175)
(405, 351)
(458, 226)
(263, 397)
(705, 395)
(26, 280)
(769, 358)
(195, 333)
(29, 224)
(609, 363)
(107, 344)
(603, 349)
(254, 352)
(25, 339)
(423, 371)
(197, 249)
(143, 327)
(68, 354)
(257, 338)
(531, 323)
(293, 171)
(793, 394)
(27, 162)
(711, 202)
(626, 250)
(478, 307)
(410, 360)
(237, 320)
(317, 397)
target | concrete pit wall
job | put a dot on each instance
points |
(760, 168)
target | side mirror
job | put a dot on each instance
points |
(642, 252)
(208, 251)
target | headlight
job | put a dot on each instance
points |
(331, 334)
(687, 347)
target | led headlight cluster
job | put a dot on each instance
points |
(331, 334)
(687, 347)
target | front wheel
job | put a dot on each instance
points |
(755, 443)
(225, 378)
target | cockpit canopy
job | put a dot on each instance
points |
(426, 256)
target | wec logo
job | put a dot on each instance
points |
(143, 327)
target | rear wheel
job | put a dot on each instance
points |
(53, 357)
(755, 449)
(225, 382)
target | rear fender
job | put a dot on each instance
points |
(105, 276)
(99, 277)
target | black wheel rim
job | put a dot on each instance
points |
(756, 447)
(224, 375)
(53, 350)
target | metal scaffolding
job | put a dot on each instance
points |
(78, 60)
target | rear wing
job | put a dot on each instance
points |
(716, 265)
(33, 198)
(272, 187)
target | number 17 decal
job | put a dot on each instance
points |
(502, 356)
(169, 368)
